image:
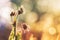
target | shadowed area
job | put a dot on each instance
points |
(5, 29)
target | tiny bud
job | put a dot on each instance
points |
(12, 14)
(24, 26)
(20, 11)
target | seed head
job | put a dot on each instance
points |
(20, 11)
(12, 14)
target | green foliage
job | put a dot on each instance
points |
(19, 36)
(11, 37)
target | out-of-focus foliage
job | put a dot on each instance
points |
(16, 3)
(11, 37)
(19, 37)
